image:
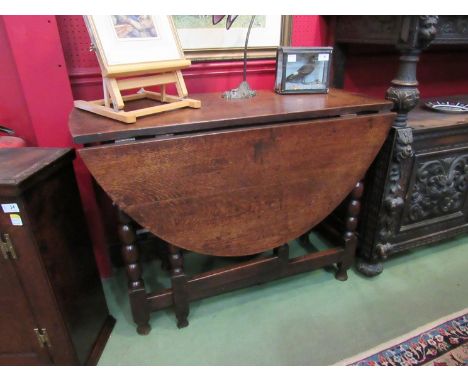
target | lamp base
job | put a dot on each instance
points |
(242, 91)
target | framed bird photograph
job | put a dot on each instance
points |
(303, 70)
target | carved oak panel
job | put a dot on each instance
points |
(439, 188)
(377, 29)
(452, 29)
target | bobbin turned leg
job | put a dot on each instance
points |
(179, 286)
(136, 285)
(349, 236)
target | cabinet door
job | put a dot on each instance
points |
(31, 295)
(18, 342)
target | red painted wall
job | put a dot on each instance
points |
(439, 72)
(38, 87)
(36, 100)
(200, 77)
(13, 108)
(41, 77)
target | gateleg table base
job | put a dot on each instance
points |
(250, 272)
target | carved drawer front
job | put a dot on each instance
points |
(375, 29)
(437, 192)
(452, 29)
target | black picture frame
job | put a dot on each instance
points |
(303, 70)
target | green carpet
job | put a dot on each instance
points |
(308, 319)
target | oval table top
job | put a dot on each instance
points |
(239, 191)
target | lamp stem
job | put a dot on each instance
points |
(243, 90)
(245, 47)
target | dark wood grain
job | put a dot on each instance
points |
(58, 226)
(20, 171)
(421, 117)
(248, 273)
(416, 191)
(18, 344)
(235, 178)
(241, 191)
(216, 112)
(136, 285)
(55, 265)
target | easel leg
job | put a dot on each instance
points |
(114, 94)
(136, 285)
(163, 93)
(350, 238)
(105, 93)
(179, 286)
(180, 85)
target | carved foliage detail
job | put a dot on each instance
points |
(404, 99)
(393, 196)
(404, 140)
(373, 27)
(453, 25)
(440, 188)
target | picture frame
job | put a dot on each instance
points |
(303, 70)
(137, 52)
(122, 52)
(201, 44)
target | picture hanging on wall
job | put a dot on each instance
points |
(134, 39)
(140, 53)
(202, 38)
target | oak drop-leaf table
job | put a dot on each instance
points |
(234, 178)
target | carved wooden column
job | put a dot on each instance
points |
(136, 285)
(395, 159)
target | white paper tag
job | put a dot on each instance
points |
(9, 208)
(16, 219)
(323, 57)
(291, 58)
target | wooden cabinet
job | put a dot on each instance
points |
(19, 344)
(52, 306)
(416, 191)
(435, 192)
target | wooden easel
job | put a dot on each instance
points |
(112, 96)
(117, 78)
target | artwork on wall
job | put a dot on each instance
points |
(134, 39)
(137, 52)
(134, 26)
(303, 70)
(202, 40)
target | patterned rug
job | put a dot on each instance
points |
(440, 343)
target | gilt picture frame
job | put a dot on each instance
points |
(202, 41)
(303, 70)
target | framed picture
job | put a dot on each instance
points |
(126, 41)
(201, 40)
(137, 52)
(303, 70)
